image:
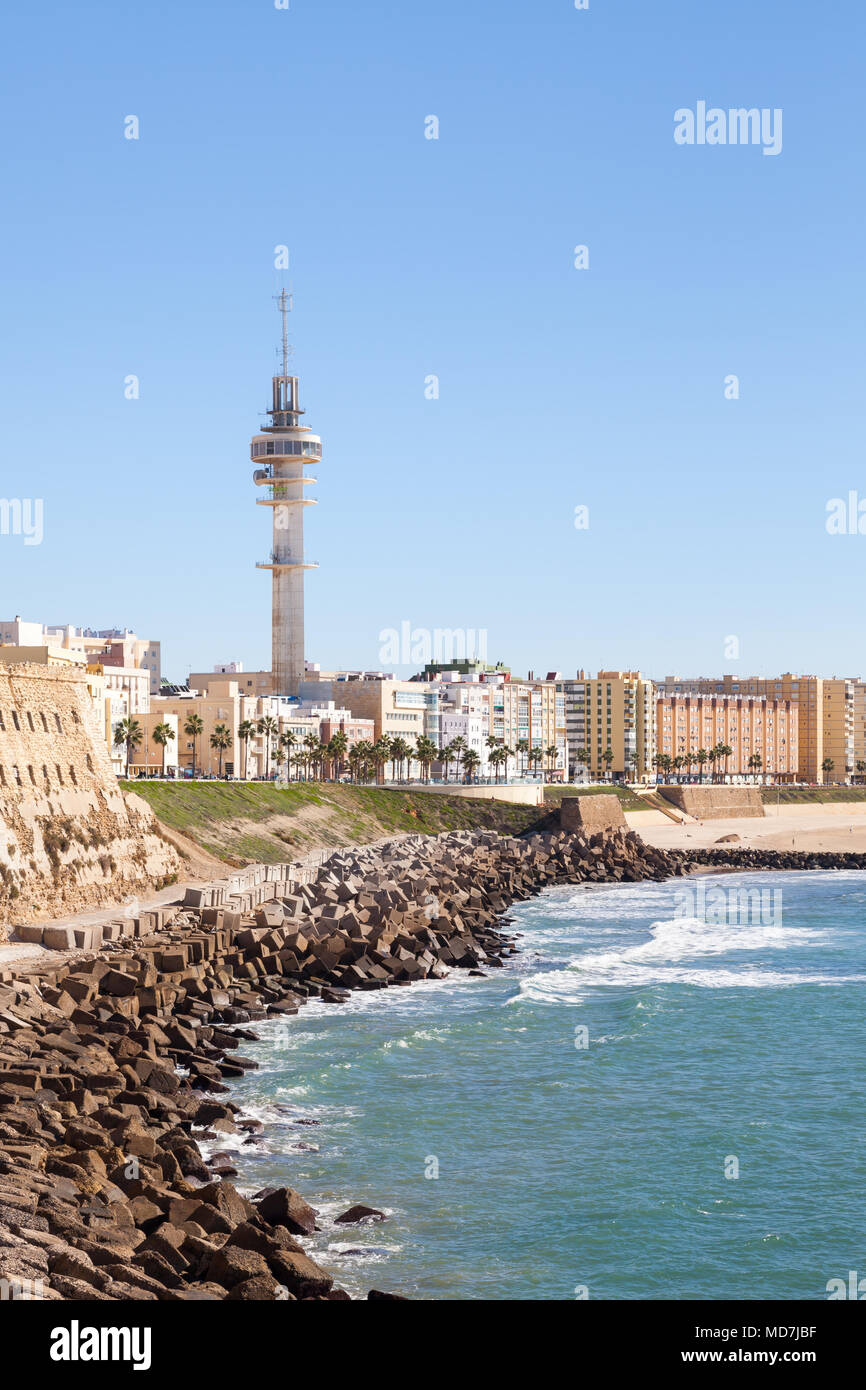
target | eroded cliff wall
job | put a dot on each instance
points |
(69, 838)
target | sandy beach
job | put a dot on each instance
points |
(838, 826)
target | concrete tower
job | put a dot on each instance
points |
(282, 450)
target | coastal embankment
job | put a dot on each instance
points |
(241, 822)
(117, 1062)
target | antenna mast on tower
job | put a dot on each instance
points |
(286, 303)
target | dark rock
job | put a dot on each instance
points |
(359, 1213)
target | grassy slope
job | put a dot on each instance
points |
(815, 794)
(252, 821)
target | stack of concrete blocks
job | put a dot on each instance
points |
(223, 901)
(91, 937)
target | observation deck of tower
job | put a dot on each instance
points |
(282, 450)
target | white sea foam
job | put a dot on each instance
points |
(681, 950)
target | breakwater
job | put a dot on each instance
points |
(775, 860)
(115, 1063)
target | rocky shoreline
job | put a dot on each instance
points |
(115, 1063)
(731, 858)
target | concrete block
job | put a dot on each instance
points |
(30, 932)
(88, 938)
(58, 938)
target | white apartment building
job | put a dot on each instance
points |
(464, 712)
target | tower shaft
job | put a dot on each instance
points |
(283, 449)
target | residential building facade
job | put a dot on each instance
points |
(610, 713)
(825, 708)
(752, 726)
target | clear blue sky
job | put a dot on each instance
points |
(410, 256)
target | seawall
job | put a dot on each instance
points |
(715, 803)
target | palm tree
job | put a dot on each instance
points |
(337, 750)
(607, 759)
(130, 732)
(582, 757)
(713, 756)
(194, 727)
(425, 752)
(826, 766)
(496, 759)
(268, 726)
(534, 757)
(369, 760)
(756, 762)
(458, 748)
(471, 760)
(634, 759)
(221, 739)
(448, 756)
(162, 732)
(246, 729)
(522, 750)
(726, 751)
(550, 754)
(400, 753)
(311, 743)
(860, 767)
(700, 758)
(379, 754)
(288, 740)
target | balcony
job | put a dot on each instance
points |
(263, 476)
(277, 496)
(273, 563)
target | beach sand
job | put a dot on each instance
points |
(839, 826)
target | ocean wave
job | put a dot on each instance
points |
(681, 950)
(570, 987)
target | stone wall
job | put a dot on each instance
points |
(589, 814)
(716, 803)
(69, 838)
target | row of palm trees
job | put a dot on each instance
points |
(130, 734)
(365, 760)
(717, 757)
(684, 762)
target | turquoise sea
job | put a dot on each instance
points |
(599, 1170)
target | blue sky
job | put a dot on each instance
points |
(558, 387)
